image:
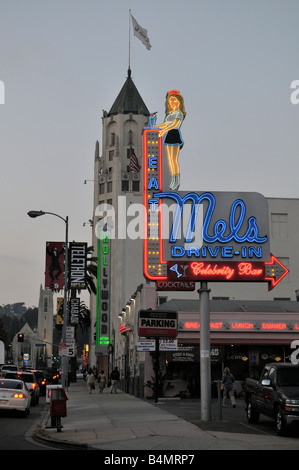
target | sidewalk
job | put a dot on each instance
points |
(123, 422)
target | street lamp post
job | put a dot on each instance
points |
(34, 214)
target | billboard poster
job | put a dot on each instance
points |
(59, 311)
(74, 310)
(54, 272)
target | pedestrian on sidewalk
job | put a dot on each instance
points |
(101, 381)
(90, 381)
(114, 380)
(228, 386)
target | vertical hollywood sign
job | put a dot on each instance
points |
(103, 291)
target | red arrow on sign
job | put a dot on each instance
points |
(272, 271)
(275, 271)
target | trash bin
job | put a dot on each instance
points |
(58, 400)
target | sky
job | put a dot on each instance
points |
(62, 62)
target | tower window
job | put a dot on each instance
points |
(135, 186)
(112, 139)
(125, 185)
(130, 137)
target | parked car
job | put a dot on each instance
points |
(14, 395)
(41, 379)
(79, 374)
(9, 367)
(275, 394)
(31, 382)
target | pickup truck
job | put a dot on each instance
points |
(276, 395)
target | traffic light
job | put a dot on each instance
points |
(20, 338)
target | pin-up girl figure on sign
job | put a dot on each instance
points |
(170, 128)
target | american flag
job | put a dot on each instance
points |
(134, 164)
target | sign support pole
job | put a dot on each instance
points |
(205, 361)
(157, 357)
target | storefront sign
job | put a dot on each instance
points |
(175, 285)
(273, 271)
(146, 345)
(242, 325)
(194, 236)
(153, 323)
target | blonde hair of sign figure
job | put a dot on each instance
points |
(170, 128)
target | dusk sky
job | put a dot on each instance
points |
(63, 61)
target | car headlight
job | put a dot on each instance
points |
(292, 405)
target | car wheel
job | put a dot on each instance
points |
(252, 415)
(26, 413)
(281, 427)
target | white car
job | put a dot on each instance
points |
(14, 395)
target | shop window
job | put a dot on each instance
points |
(162, 300)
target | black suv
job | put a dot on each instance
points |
(41, 380)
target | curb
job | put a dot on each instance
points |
(38, 436)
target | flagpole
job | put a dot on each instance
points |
(129, 39)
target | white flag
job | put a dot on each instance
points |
(141, 33)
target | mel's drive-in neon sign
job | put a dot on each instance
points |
(194, 236)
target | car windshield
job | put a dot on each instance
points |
(288, 377)
(15, 384)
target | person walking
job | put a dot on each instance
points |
(114, 380)
(101, 381)
(228, 386)
(90, 381)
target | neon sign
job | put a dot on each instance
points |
(170, 131)
(219, 236)
(103, 291)
(255, 271)
(247, 325)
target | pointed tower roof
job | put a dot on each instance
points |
(129, 100)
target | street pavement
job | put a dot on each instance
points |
(122, 422)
